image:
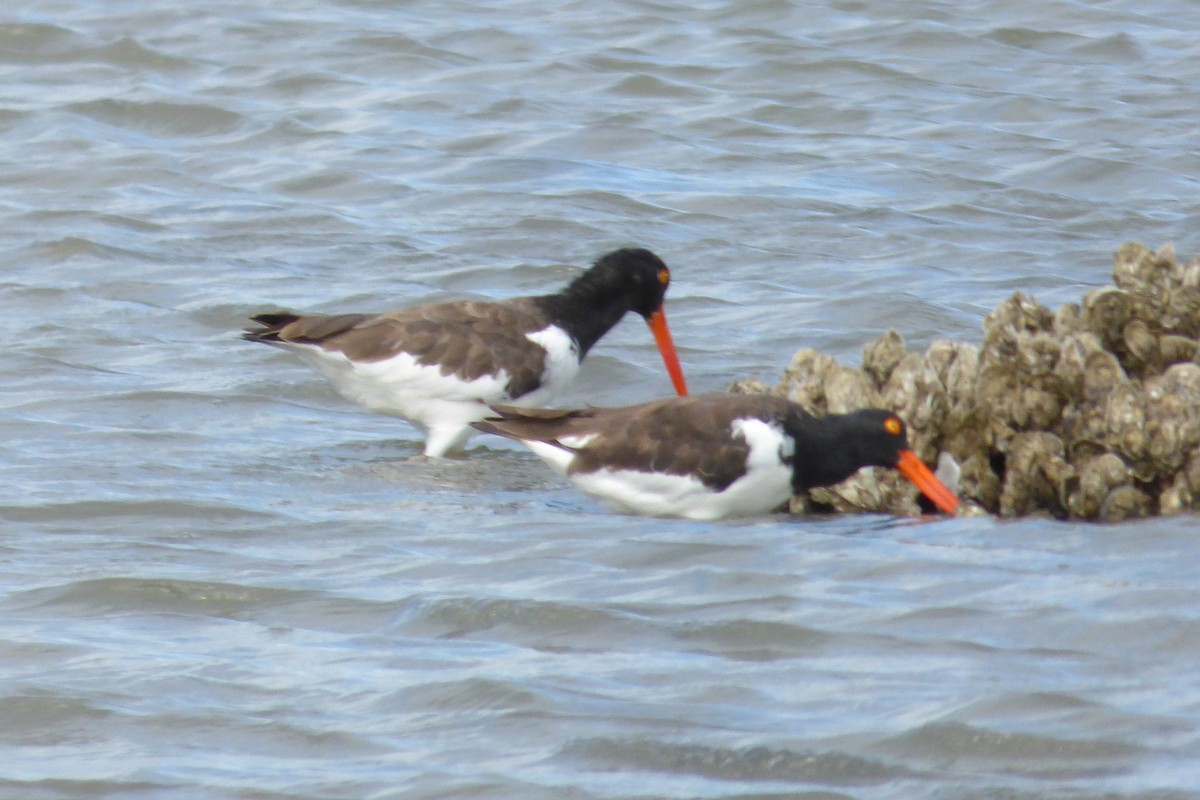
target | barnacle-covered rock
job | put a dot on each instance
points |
(847, 389)
(871, 489)
(1125, 422)
(1181, 313)
(1183, 491)
(881, 356)
(804, 379)
(1095, 479)
(1017, 386)
(978, 481)
(1018, 314)
(1125, 502)
(902, 382)
(960, 430)
(1068, 319)
(1173, 349)
(751, 386)
(1173, 417)
(1075, 349)
(997, 392)
(1141, 346)
(1036, 476)
(1106, 312)
(1136, 269)
(1088, 421)
(1013, 401)
(956, 365)
(924, 406)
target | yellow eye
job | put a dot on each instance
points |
(664, 276)
(893, 426)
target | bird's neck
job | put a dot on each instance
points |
(825, 455)
(585, 310)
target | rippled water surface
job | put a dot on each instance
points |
(221, 580)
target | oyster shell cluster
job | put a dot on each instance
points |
(1088, 412)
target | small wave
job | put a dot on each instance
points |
(161, 118)
(734, 764)
(1035, 755)
(102, 596)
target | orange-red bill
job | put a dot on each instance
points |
(915, 470)
(666, 346)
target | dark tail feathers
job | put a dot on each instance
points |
(273, 324)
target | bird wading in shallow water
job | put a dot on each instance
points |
(440, 365)
(713, 455)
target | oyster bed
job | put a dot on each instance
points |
(1088, 412)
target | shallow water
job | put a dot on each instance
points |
(221, 580)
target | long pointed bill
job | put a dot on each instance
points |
(915, 470)
(666, 346)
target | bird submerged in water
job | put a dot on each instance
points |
(440, 365)
(714, 455)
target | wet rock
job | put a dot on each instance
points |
(1018, 314)
(1174, 349)
(1173, 417)
(1096, 478)
(960, 431)
(1106, 312)
(1141, 345)
(847, 389)
(1074, 350)
(1183, 491)
(1125, 502)
(751, 386)
(881, 357)
(1036, 476)
(1138, 270)
(1181, 314)
(978, 481)
(920, 399)
(804, 380)
(1068, 319)
(957, 366)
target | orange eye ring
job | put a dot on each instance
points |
(664, 276)
(893, 425)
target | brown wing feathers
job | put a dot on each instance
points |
(464, 338)
(676, 436)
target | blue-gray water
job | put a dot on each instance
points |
(220, 580)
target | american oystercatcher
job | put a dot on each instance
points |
(440, 365)
(713, 455)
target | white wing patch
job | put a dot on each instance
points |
(768, 443)
(561, 363)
